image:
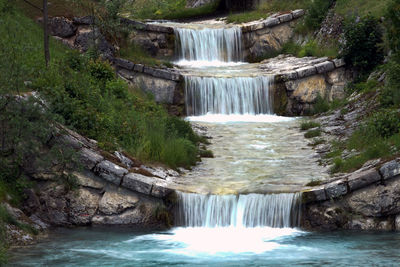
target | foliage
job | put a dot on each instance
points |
(316, 12)
(390, 95)
(313, 133)
(309, 125)
(393, 24)
(361, 48)
(361, 7)
(135, 53)
(266, 9)
(166, 9)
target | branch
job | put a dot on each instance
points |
(33, 5)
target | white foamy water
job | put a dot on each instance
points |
(220, 118)
(205, 63)
(235, 95)
(209, 44)
(242, 211)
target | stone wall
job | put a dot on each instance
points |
(299, 81)
(368, 199)
(267, 36)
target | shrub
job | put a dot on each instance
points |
(321, 105)
(316, 13)
(361, 47)
(309, 125)
(391, 93)
(393, 24)
(313, 133)
(384, 124)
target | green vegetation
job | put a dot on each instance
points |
(361, 7)
(313, 133)
(361, 49)
(135, 53)
(266, 9)
(165, 9)
(315, 14)
(309, 125)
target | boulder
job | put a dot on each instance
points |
(86, 39)
(306, 71)
(285, 17)
(325, 67)
(88, 179)
(86, 20)
(61, 27)
(110, 171)
(117, 201)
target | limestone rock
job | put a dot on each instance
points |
(89, 158)
(117, 201)
(138, 183)
(306, 90)
(314, 194)
(336, 189)
(87, 178)
(324, 67)
(140, 215)
(110, 171)
(376, 201)
(83, 206)
(390, 169)
(85, 39)
(359, 180)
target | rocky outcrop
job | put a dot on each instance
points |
(368, 199)
(109, 189)
(198, 3)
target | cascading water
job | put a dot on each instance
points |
(234, 95)
(209, 44)
(253, 210)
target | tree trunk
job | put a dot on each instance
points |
(46, 33)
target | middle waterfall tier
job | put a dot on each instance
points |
(209, 44)
(234, 95)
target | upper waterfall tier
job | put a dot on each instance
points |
(209, 44)
(234, 95)
(254, 210)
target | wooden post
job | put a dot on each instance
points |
(46, 33)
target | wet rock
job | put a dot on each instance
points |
(61, 27)
(314, 194)
(83, 206)
(397, 222)
(362, 224)
(140, 215)
(336, 189)
(390, 169)
(359, 180)
(110, 171)
(116, 201)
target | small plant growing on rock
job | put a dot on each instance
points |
(309, 125)
(313, 133)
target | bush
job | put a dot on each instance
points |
(361, 47)
(321, 105)
(313, 133)
(383, 124)
(309, 125)
(316, 13)
(391, 93)
(393, 24)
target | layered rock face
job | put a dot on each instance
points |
(368, 199)
(111, 190)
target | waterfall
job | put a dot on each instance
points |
(235, 95)
(209, 44)
(253, 210)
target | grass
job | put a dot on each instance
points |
(313, 133)
(165, 9)
(266, 9)
(314, 183)
(304, 126)
(136, 54)
(65, 8)
(361, 7)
